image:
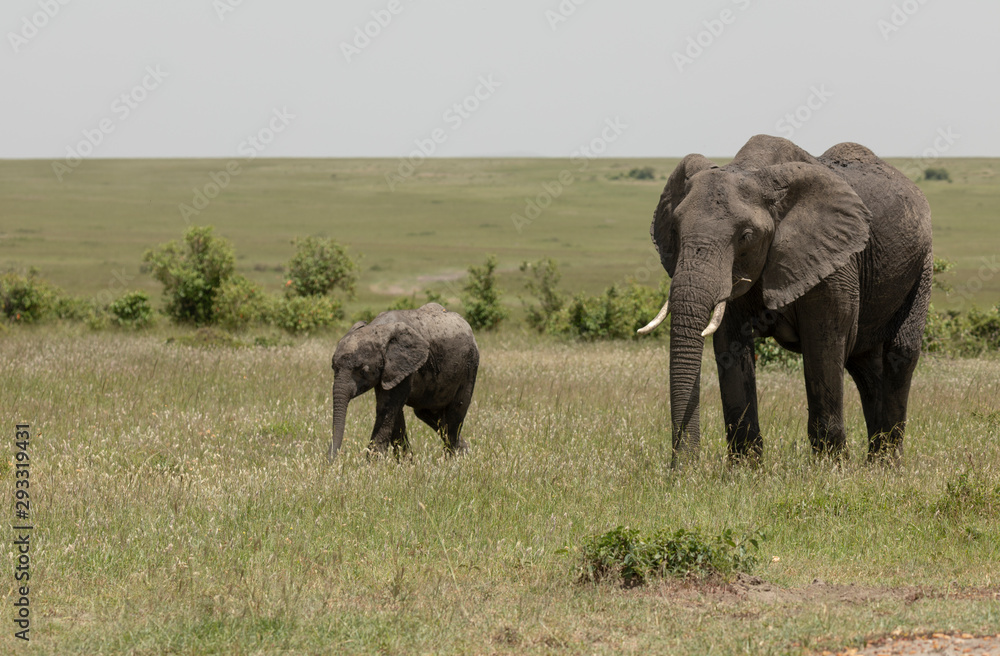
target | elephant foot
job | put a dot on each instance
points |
(461, 448)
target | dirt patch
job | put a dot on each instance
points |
(745, 588)
(940, 644)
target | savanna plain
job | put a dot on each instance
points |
(182, 501)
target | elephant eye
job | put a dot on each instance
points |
(746, 236)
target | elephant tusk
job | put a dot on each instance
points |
(649, 327)
(716, 321)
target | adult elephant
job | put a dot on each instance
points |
(831, 256)
(425, 358)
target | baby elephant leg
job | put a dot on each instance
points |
(440, 421)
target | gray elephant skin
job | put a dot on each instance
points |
(829, 255)
(426, 359)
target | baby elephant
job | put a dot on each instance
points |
(426, 359)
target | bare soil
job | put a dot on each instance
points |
(746, 588)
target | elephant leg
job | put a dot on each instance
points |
(432, 417)
(825, 396)
(898, 364)
(455, 416)
(400, 441)
(899, 361)
(390, 425)
(827, 318)
(442, 422)
(734, 356)
(866, 370)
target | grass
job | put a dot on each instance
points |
(183, 505)
(87, 234)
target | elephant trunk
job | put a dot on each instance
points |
(342, 395)
(690, 305)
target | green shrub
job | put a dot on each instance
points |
(241, 303)
(483, 309)
(364, 314)
(933, 173)
(965, 335)
(768, 353)
(642, 173)
(304, 314)
(633, 558)
(132, 310)
(26, 299)
(192, 273)
(616, 314)
(542, 285)
(74, 308)
(941, 266)
(318, 266)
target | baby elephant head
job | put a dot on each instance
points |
(383, 354)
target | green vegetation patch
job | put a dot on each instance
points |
(627, 555)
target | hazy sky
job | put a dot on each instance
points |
(200, 78)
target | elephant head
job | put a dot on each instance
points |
(383, 354)
(721, 232)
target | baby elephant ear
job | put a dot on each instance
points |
(405, 353)
(820, 223)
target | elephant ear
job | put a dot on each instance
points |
(819, 224)
(661, 229)
(405, 353)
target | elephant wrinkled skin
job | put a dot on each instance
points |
(425, 358)
(829, 255)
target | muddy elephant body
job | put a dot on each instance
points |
(831, 256)
(426, 359)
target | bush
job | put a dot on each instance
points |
(941, 266)
(483, 309)
(319, 266)
(74, 308)
(132, 310)
(542, 285)
(768, 353)
(304, 314)
(241, 303)
(616, 314)
(937, 174)
(26, 299)
(192, 273)
(964, 335)
(643, 173)
(627, 554)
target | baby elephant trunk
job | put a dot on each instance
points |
(342, 395)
